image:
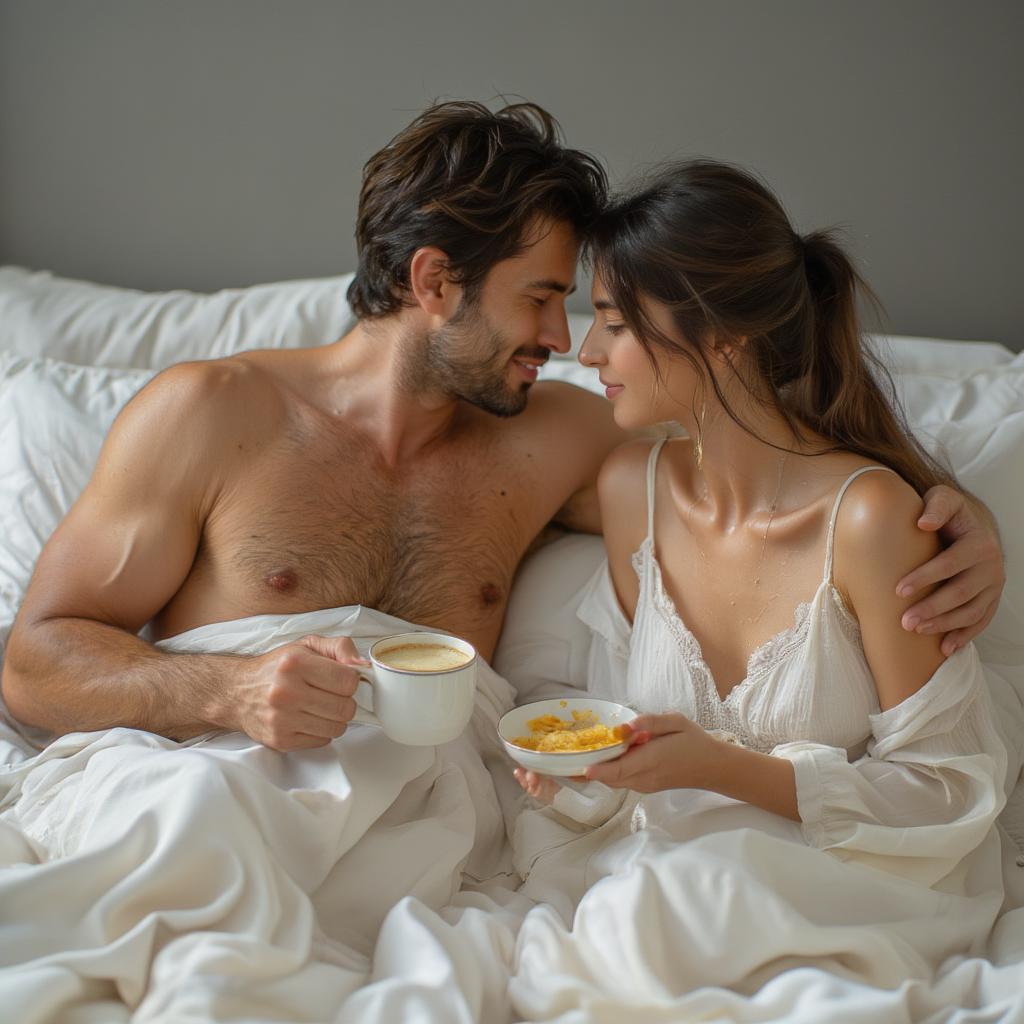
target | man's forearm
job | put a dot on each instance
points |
(71, 675)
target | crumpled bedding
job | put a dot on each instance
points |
(689, 906)
(219, 880)
(216, 880)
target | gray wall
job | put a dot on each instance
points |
(211, 143)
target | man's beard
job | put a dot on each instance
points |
(468, 359)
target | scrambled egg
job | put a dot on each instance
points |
(549, 733)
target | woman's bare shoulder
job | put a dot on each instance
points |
(621, 484)
(877, 542)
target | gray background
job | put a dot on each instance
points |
(210, 143)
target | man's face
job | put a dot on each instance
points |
(489, 353)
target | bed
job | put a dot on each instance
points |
(145, 880)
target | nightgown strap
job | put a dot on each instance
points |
(835, 512)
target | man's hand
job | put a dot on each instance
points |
(300, 695)
(970, 569)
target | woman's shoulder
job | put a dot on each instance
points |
(877, 542)
(629, 461)
(622, 495)
(876, 505)
(622, 481)
(625, 462)
(877, 539)
(621, 489)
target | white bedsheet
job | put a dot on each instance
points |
(219, 880)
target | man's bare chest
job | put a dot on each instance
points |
(437, 544)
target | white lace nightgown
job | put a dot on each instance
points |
(917, 786)
(895, 866)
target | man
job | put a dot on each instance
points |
(400, 468)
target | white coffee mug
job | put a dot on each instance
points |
(418, 707)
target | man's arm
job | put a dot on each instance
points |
(586, 423)
(74, 662)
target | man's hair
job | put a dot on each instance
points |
(472, 183)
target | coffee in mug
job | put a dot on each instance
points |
(423, 657)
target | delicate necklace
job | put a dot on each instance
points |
(771, 516)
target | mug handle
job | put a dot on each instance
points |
(363, 697)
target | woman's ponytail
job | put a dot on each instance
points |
(846, 393)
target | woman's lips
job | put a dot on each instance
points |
(611, 390)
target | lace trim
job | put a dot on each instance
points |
(637, 560)
(763, 657)
(714, 713)
(847, 623)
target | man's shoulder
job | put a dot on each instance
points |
(237, 374)
(559, 397)
(572, 421)
(216, 390)
(572, 411)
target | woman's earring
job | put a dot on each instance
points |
(698, 442)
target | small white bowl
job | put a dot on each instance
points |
(568, 762)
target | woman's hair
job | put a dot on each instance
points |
(714, 246)
(472, 183)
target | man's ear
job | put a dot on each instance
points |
(431, 284)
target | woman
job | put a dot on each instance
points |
(749, 611)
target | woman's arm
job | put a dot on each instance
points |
(670, 752)
(621, 491)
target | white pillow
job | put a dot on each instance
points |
(97, 325)
(543, 647)
(53, 419)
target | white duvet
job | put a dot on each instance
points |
(217, 880)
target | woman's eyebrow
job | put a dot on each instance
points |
(605, 304)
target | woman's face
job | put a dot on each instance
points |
(631, 382)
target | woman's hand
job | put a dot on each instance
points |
(665, 752)
(540, 787)
(970, 570)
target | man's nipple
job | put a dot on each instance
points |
(282, 580)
